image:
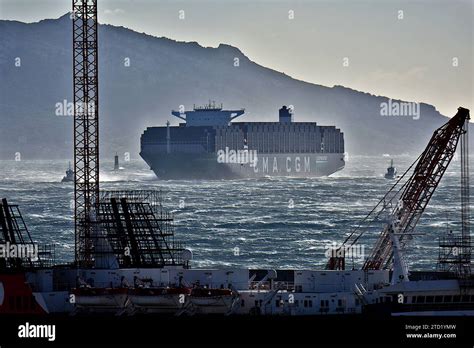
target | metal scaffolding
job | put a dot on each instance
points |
(455, 250)
(117, 228)
(86, 126)
(135, 230)
(15, 237)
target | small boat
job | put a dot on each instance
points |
(391, 171)
(212, 301)
(158, 299)
(69, 175)
(101, 299)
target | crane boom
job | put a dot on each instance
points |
(419, 188)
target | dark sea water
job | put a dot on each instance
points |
(274, 222)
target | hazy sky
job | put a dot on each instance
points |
(410, 58)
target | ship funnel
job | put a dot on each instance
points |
(285, 115)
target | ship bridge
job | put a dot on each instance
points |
(208, 115)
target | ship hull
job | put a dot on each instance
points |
(207, 166)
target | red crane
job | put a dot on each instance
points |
(415, 194)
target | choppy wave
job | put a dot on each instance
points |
(274, 222)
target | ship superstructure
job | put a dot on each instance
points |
(209, 144)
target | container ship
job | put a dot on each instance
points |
(209, 145)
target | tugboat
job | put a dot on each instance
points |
(391, 171)
(69, 175)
